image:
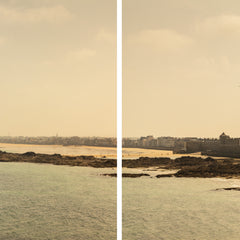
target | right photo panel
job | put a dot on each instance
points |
(181, 134)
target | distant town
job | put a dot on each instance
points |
(224, 146)
(65, 141)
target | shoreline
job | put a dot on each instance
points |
(58, 159)
(186, 166)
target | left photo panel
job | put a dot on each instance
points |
(58, 119)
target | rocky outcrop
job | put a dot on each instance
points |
(164, 175)
(58, 159)
(29, 154)
(216, 169)
(144, 162)
(127, 175)
(186, 166)
(230, 188)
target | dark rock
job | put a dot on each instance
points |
(212, 170)
(231, 188)
(57, 155)
(87, 157)
(128, 175)
(58, 159)
(164, 175)
(146, 162)
(29, 154)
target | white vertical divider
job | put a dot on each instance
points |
(119, 119)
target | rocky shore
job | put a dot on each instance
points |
(185, 166)
(58, 159)
(189, 166)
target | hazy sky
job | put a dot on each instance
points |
(181, 67)
(58, 67)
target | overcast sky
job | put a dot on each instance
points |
(58, 67)
(181, 67)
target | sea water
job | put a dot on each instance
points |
(44, 201)
(180, 209)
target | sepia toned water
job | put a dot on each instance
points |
(44, 201)
(180, 209)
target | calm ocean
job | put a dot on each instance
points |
(180, 209)
(44, 201)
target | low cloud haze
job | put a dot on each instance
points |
(58, 71)
(181, 68)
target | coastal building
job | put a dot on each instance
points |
(180, 146)
(165, 142)
(223, 138)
